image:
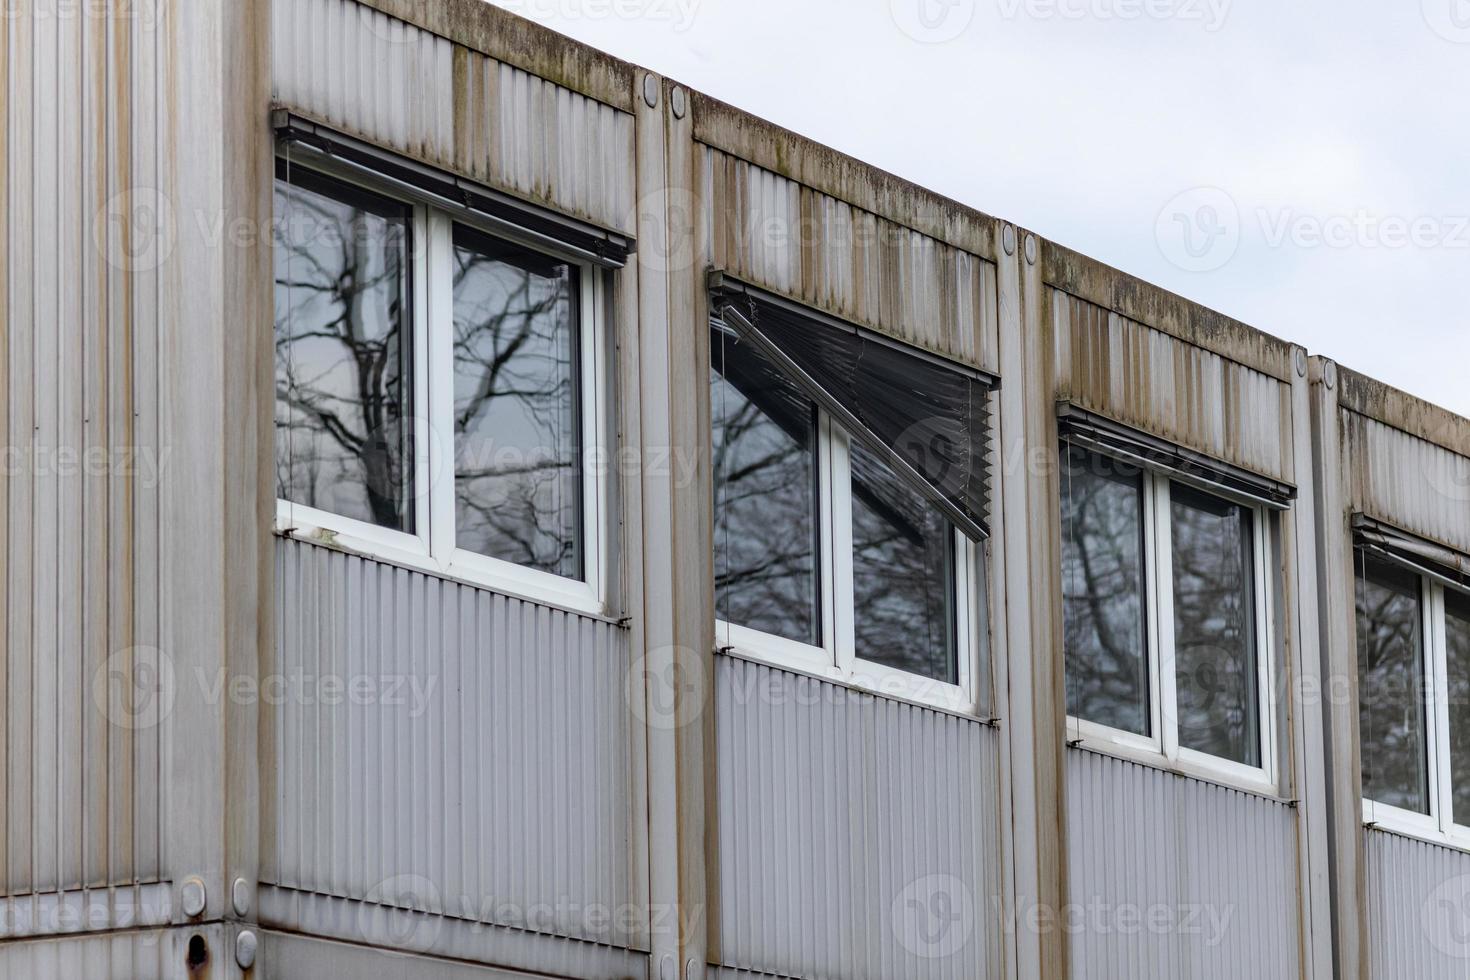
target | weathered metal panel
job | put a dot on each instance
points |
(1418, 909)
(857, 836)
(1407, 481)
(1175, 877)
(486, 766)
(776, 233)
(1187, 394)
(82, 453)
(414, 92)
(142, 954)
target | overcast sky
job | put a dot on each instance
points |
(1298, 164)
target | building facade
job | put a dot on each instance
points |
(476, 508)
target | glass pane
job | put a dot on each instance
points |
(1102, 592)
(1391, 716)
(517, 434)
(764, 433)
(1457, 652)
(1215, 653)
(343, 352)
(902, 574)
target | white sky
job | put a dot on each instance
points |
(1321, 147)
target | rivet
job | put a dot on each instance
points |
(666, 968)
(193, 897)
(1301, 363)
(692, 970)
(1030, 249)
(650, 91)
(1329, 375)
(240, 897)
(1008, 240)
(246, 945)
(680, 103)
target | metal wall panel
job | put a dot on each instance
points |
(490, 771)
(1418, 909)
(781, 235)
(370, 75)
(857, 836)
(1186, 394)
(82, 453)
(1175, 877)
(1407, 481)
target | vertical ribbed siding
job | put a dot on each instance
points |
(511, 783)
(79, 794)
(835, 811)
(1418, 909)
(1407, 481)
(776, 233)
(419, 94)
(1186, 394)
(1214, 867)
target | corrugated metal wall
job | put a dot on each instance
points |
(414, 92)
(857, 836)
(778, 234)
(1149, 379)
(1407, 481)
(1418, 909)
(491, 766)
(1174, 877)
(79, 418)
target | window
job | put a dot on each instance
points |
(826, 558)
(1413, 699)
(437, 388)
(1166, 616)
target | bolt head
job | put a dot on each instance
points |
(246, 946)
(193, 897)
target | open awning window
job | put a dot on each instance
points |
(926, 417)
(1420, 556)
(1090, 431)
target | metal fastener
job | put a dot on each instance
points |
(193, 897)
(1008, 240)
(650, 90)
(246, 945)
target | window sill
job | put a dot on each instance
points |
(1183, 768)
(1420, 827)
(414, 561)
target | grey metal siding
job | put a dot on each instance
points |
(491, 772)
(419, 94)
(857, 836)
(1418, 909)
(1176, 390)
(1175, 877)
(80, 329)
(1407, 481)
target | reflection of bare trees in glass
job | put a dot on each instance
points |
(342, 379)
(1457, 653)
(1214, 634)
(903, 590)
(517, 473)
(1391, 715)
(1102, 591)
(765, 517)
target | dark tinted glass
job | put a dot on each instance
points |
(343, 350)
(1391, 715)
(1215, 665)
(902, 574)
(1457, 652)
(1102, 592)
(517, 430)
(766, 570)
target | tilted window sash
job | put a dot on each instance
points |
(1088, 430)
(455, 194)
(926, 417)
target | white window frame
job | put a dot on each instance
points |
(1162, 744)
(433, 548)
(1438, 825)
(836, 659)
